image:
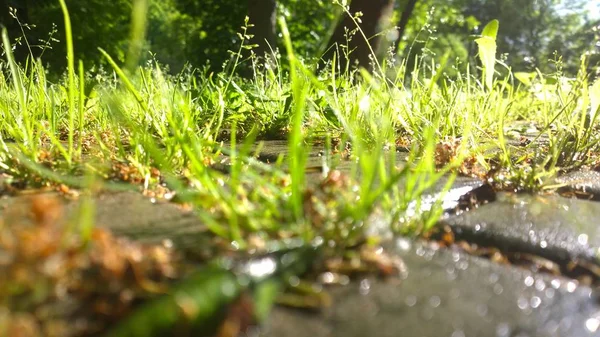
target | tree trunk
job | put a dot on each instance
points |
(375, 13)
(262, 14)
(4, 12)
(404, 18)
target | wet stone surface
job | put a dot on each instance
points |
(448, 293)
(318, 160)
(464, 194)
(553, 227)
(130, 214)
(441, 291)
(583, 184)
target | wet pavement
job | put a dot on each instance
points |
(442, 290)
(446, 291)
(551, 226)
(583, 184)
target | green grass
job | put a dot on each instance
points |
(149, 119)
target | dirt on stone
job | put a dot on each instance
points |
(56, 282)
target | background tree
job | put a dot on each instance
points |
(525, 26)
(263, 15)
(375, 17)
(201, 32)
(407, 11)
(530, 32)
(96, 23)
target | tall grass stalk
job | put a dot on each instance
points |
(81, 109)
(21, 118)
(297, 153)
(71, 76)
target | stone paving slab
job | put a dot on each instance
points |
(557, 228)
(447, 293)
(463, 195)
(585, 183)
(442, 292)
(130, 214)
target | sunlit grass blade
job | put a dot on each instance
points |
(487, 51)
(297, 153)
(71, 77)
(21, 118)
